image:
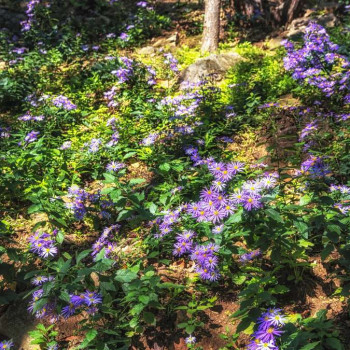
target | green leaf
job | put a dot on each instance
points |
(149, 317)
(334, 343)
(190, 328)
(274, 214)
(164, 167)
(302, 228)
(304, 200)
(60, 237)
(65, 296)
(152, 208)
(125, 276)
(108, 286)
(89, 337)
(82, 255)
(235, 218)
(133, 182)
(144, 299)
(129, 155)
(109, 178)
(39, 304)
(240, 279)
(310, 346)
(34, 208)
(124, 214)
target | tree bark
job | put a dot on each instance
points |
(211, 30)
(273, 13)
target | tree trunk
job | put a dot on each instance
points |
(211, 31)
(273, 13)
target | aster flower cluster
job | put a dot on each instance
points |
(246, 257)
(204, 257)
(124, 73)
(342, 194)
(19, 50)
(306, 133)
(28, 117)
(171, 62)
(80, 200)
(6, 344)
(270, 324)
(30, 12)
(93, 145)
(66, 145)
(313, 63)
(4, 133)
(104, 241)
(152, 76)
(48, 311)
(214, 200)
(184, 105)
(150, 139)
(214, 206)
(43, 244)
(115, 136)
(308, 130)
(63, 102)
(229, 113)
(206, 262)
(31, 137)
(314, 167)
(88, 301)
(110, 97)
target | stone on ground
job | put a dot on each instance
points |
(215, 65)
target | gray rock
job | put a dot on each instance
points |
(214, 65)
(147, 50)
(172, 41)
(274, 43)
(15, 324)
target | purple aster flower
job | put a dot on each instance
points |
(115, 166)
(92, 298)
(190, 340)
(63, 102)
(277, 319)
(150, 139)
(124, 36)
(235, 167)
(68, 310)
(94, 145)
(45, 252)
(218, 229)
(268, 182)
(142, 4)
(31, 137)
(218, 185)
(208, 194)
(39, 280)
(6, 344)
(77, 300)
(270, 345)
(268, 334)
(251, 202)
(66, 145)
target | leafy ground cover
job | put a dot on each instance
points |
(139, 215)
